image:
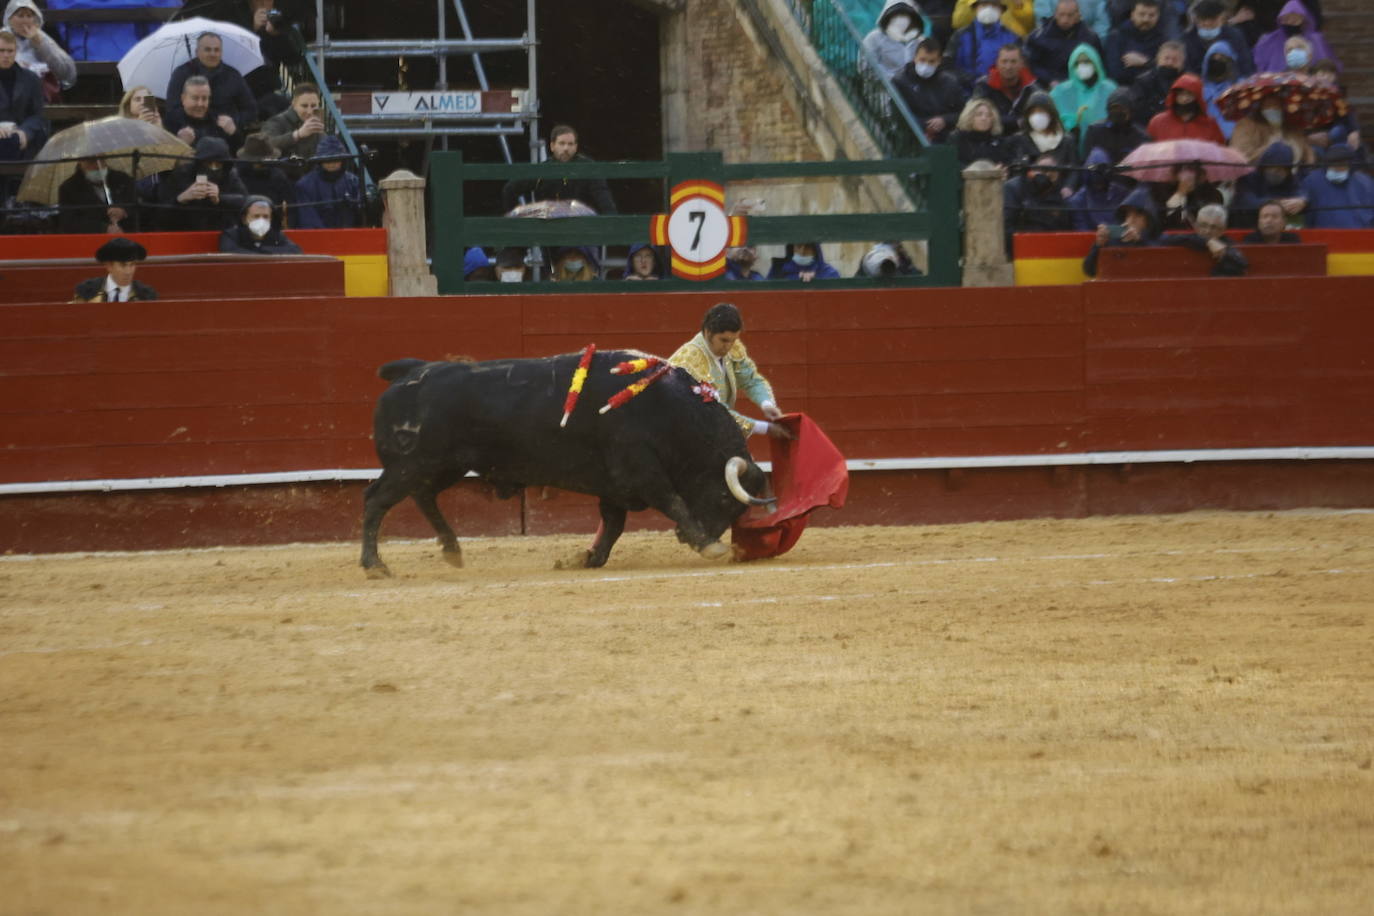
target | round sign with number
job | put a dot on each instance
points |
(698, 230)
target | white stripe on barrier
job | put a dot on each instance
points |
(1175, 456)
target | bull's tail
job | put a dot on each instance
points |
(398, 368)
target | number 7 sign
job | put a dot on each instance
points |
(697, 230)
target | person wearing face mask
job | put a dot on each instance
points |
(38, 52)
(1117, 135)
(1017, 15)
(803, 261)
(933, 94)
(255, 232)
(1049, 48)
(1218, 75)
(202, 194)
(1130, 47)
(1042, 134)
(1035, 202)
(96, 199)
(1275, 178)
(1102, 191)
(1209, 26)
(574, 265)
(1297, 55)
(259, 170)
(1185, 118)
(1262, 127)
(1150, 91)
(977, 44)
(1338, 195)
(1295, 20)
(893, 40)
(1082, 98)
(329, 196)
(120, 257)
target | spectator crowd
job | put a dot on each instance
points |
(252, 144)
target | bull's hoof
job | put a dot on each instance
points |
(378, 572)
(714, 551)
(579, 560)
(453, 558)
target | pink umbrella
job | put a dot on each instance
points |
(1157, 161)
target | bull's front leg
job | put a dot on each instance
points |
(607, 533)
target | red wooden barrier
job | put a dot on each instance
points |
(1130, 263)
(204, 276)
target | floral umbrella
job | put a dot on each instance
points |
(1307, 103)
(1157, 161)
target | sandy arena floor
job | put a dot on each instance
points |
(1140, 715)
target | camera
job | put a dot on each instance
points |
(276, 18)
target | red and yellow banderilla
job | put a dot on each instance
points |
(623, 396)
(630, 367)
(578, 380)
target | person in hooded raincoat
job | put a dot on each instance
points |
(644, 262)
(329, 196)
(1101, 193)
(1017, 15)
(803, 261)
(893, 40)
(1219, 73)
(203, 194)
(1137, 223)
(975, 46)
(1184, 117)
(1275, 178)
(1294, 19)
(1118, 135)
(38, 52)
(1043, 134)
(1082, 98)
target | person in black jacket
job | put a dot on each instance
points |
(22, 128)
(1118, 135)
(120, 259)
(195, 117)
(230, 96)
(202, 194)
(96, 198)
(1034, 202)
(1209, 235)
(1150, 91)
(978, 135)
(1270, 231)
(1042, 133)
(563, 149)
(256, 232)
(1008, 86)
(933, 94)
(1209, 26)
(259, 170)
(1137, 224)
(1048, 47)
(1132, 46)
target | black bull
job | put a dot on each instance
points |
(665, 449)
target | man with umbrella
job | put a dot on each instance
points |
(120, 258)
(230, 96)
(96, 198)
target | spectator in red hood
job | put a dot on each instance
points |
(1008, 85)
(1184, 117)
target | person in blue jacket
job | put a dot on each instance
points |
(1274, 178)
(1102, 191)
(1219, 73)
(1339, 197)
(1137, 224)
(329, 196)
(976, 45)
(803, 261)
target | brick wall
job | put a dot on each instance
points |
(739, 101)
(1349, 29)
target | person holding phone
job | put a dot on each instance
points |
(1137, 224)
(139, 102)
(203, 194)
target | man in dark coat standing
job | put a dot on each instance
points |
(562, 149)
(1048, 47)
(96, 199)
(933, 94)
(230, 96)
(120, 258)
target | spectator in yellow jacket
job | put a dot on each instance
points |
(1017, 15)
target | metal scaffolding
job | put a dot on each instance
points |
(431, 124)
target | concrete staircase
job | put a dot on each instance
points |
(1349, 28)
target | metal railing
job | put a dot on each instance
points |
(936, 220)
(860, 76)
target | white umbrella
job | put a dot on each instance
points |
(151, 62)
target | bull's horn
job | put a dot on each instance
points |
(733, 468)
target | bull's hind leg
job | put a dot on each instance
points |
(425, 499)
(380, 495)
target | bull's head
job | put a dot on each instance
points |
(733, 468)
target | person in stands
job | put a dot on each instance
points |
(1009, 86)
(1180, 200)
(22, 128)
(1209, 235)
(1137, 225)
(577, 264)
(1118, 135)
(1102, 191)
(563, 149)
(1270, 228)
(1043, 134)
(139, 102)
(256, 232)
(1082, 98)
(931, 92)
(37, 51)
(717, 356)
(233, 103)
(893, 40)
(977, 45)
(803, 261)
(1150, 90)
(1295, 19)
(329, 196)
(203, 194)
(1049, 47)
(978, 135)
(1275, 179)
(739, 263)
(1017, 15)
(644, 262)
(1035, 201)
(1210, 25)
(261, 173)
(477, 266)
(120, 258)
(96, 199)
(1185, 117)
(1339, 197)
(1131, 47)
(298, 130)
(194, 118)
(1265, 125)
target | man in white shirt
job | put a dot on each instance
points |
(120, 257)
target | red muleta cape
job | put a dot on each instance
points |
(808, 472)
